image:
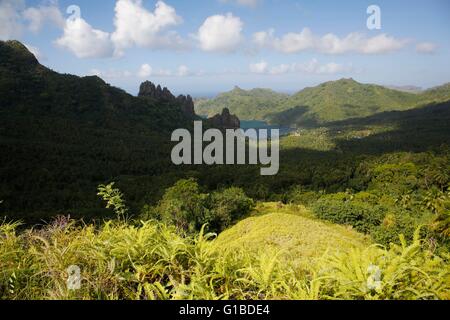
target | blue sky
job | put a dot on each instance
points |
(203, 47)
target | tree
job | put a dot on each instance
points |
(183, 205)
(228, 206)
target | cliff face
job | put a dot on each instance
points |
(225, 120)
(187, 105)
(149, 90)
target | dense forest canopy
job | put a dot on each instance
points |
(61, 135)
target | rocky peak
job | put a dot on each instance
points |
(225, 120)
(187, 104)
(149, 90)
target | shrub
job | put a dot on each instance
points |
(394, 224)
(384, 218)
(401, 272)
(300, 195)
(183, 205)
(186, 207)
(228, 206)
(338, 209)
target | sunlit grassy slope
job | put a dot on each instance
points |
(292, 230)
(120, 260)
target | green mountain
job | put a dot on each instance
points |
(30, 88)
(61, 135)
(340, 100)
(247, 105)
(328, 102)
(437, 94)
(409, 89)
(347, 99)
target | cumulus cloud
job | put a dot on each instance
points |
(145, 71)
(329, 68)
(281, 69)
(220, 33)
(426, 47)
(329, 44)
(259, 67)
(111, 74)
(10, 19)
(311, 67)
(245, 3)
(84, 41)
(136, 26)
(39, 16)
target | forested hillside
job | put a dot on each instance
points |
(62, 135)
(328, 102)
(365, 178)
(247, 105)
(346, 99)
(339, 100)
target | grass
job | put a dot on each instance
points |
(150, 260)
(292, 231)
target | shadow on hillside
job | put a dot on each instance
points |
(294, 115)
(416, 130)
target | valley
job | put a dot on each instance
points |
(86, 178)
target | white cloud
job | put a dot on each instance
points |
(311, 67)
(10, 20)
(281, 69)
(331, 68)
(111, 74)
(84, 41)
(245, 3)
(38, 17)
(136, 26)
(329, 44)
(220, 33)
(183, 71)
(426, 47)
(145, 71)
(382, 44)
(259, 67)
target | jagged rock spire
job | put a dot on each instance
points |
(225, 120)
(149, 90)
